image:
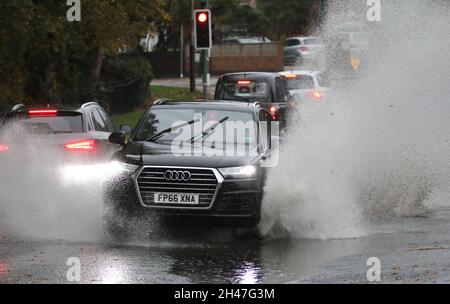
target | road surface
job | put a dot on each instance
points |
(411, 250)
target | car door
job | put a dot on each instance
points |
(265, 137)
(265, 130)
(282, 94)
(111, 128)
(100, 128)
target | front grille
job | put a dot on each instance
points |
(203, 182)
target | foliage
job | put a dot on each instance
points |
(127, 83)
(131, 118)
(45, 58)
(275, 19)
(285, 18)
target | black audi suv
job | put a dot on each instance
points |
(269, 89)
(80, 133)
(192, 160)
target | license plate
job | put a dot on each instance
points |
(176, 198)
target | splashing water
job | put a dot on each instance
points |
(378, 148)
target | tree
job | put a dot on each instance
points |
(287, 17)
(45, 58)
(275, 19)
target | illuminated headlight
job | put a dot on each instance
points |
(239, 172)
(96, 172)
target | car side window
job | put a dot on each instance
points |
(109, 124)
(282, 93)
(89, 120)
(264, 126)
(97, 121)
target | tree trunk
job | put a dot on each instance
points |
(98, 68)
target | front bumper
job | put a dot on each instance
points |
(234, 200)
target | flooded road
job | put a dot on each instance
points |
(411, 250)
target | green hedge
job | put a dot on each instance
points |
(126, 82)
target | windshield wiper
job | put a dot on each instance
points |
(171, 129)
(208, 130)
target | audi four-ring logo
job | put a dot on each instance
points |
(177, 175)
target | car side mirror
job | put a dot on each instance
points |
(126, 129)
(117, 138)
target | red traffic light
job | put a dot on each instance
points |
(202, 17)
(203, 31)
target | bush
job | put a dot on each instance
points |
(126, 82)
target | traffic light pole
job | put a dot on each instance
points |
(192, 53)
(205, 74)
(205, 67)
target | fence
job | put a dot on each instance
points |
(265, 57)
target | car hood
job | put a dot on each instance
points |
(152, 154)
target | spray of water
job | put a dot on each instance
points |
(378, 148)
(46, 196)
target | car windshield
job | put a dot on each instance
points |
(247, 90)
(230, 127)
(63, 123)
(311, 41)
(291, 42)
(301, 82)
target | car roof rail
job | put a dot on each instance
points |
(87, 104)
(17, 107)
(257, 104)
(160, 101)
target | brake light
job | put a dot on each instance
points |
(4, 148)
(81, 146)
(304, 49)
(42, 113)
(273, 112)
(315, 95)
(244, 82)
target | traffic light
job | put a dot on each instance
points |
(202, 25)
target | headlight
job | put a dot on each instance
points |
(239, 172)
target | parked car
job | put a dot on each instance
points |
(246, 40)
(300, 50)
(67, 132)
(310, 84)
(269, 89)
(198, 182)
(346, 52)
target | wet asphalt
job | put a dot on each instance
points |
(410, 250)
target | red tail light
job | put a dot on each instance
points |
(317, 95)
(273, 112)
(3, 148)
(42, 113)
(244, 82)
(304, 49)
(81, 146)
